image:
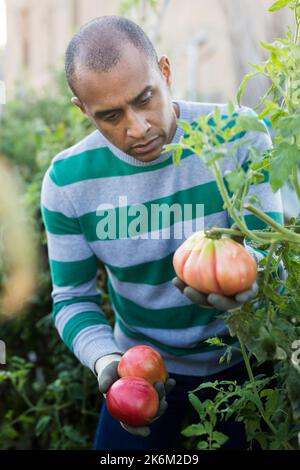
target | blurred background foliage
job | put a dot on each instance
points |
(48, 400)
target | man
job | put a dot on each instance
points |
(124, 90)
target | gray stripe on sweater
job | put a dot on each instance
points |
(150, 297)
(199, 364)
(94, 342)
(92, 141)
(70, 311)
(59, 247)
(61, 293)
(188, 338)
(119, 191)
(51, 193)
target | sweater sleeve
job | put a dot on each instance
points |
(77, 314)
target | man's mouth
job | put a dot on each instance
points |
(148, 147)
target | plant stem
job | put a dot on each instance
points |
(297, 25)
(226, 199)
(11, 423)
(286, 233)
(269, 237)
(228, 231)
(295, 180)
(268, 262)
(23, 395)
(252, 379)
(267, 274)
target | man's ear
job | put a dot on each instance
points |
(76, 101)
(165, 67)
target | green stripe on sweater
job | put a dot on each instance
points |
(202, 348)
(179, 317)
(152, 272)
(96, 299)
(73, 273)
(78, 323)
(98, 163)
(60, 224)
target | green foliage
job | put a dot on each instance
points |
(48, 399)
(268, 327)
(282, 70)
(280, 4)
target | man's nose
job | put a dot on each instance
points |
(137, 126)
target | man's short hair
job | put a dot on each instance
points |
(98, 46)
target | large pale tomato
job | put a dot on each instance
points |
(143, 361)
(222, 265)
(132, 400)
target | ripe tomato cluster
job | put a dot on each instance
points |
(132, 399)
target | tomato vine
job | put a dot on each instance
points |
(267, 328)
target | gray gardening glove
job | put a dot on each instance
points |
(218, 301)
(106, 369)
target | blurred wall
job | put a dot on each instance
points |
(209, 43)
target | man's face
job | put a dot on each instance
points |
(131, 105)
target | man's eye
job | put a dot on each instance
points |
(112, 118)
(146, 100)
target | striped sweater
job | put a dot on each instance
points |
(92, 189)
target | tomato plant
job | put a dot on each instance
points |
(269, 328)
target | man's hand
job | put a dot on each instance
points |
(107, 372)
(218, 301)
(162, 391)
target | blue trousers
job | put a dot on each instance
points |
(166, 431)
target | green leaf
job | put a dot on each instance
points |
(215, 342)
(194, 430)
(202, 445)
(272, 403)
(186, 126)
(269, 47)
(293, 386)
(287, 157)
(73, 434)
(217, 115)
(289, 125)
(243, 85)
(253, 199)
(262, 439)
(279, 5)
(219, 437)
(196, 403)
(250, 123)
(42, 424)
(10, 432)
(230, 107)
(235, 179)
